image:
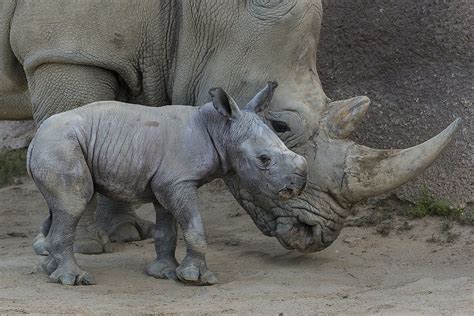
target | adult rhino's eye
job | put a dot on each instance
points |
(264, 159)
(280, 127)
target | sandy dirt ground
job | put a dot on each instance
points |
(411, 271)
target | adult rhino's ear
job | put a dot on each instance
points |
(224, 104)
(262, 100)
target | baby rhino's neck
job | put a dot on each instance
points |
(215, 126)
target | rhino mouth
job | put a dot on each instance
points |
(307, 223)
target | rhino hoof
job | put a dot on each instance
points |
(94, 243)
(39, 245)
(75, 277)
(125, 233)
(49, 265)
(162, 269)
(132, 230)
(191, 274)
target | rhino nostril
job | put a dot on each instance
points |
(297, 186)
(286, 193)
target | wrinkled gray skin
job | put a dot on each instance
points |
(162, 155)
(171, 52)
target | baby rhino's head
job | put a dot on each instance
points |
(259, 158)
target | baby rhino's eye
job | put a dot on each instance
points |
(264, 159)
(280, 127)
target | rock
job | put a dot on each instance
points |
(16, 134)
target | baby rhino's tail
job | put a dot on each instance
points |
(28, 157)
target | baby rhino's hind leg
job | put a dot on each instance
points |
(60, 247)
(63, 178)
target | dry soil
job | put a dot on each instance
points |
(412, 270)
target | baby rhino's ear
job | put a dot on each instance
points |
(224, 104)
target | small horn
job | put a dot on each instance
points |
(346, 115)
(370, 172)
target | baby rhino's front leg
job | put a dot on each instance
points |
(165, 235)
(181, 200)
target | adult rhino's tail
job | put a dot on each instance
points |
(14, 97)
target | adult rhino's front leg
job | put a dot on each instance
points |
(56, 88)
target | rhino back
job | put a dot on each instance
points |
(125, 145)
(131, 39)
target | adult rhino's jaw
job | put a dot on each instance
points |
(307, 223)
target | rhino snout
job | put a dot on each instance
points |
(301, 166)
(296, 182)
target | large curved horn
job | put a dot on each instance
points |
(370, 172)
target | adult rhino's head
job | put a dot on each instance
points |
(239, 45)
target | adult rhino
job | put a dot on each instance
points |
(64, 54)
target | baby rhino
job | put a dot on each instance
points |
(160, 155)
